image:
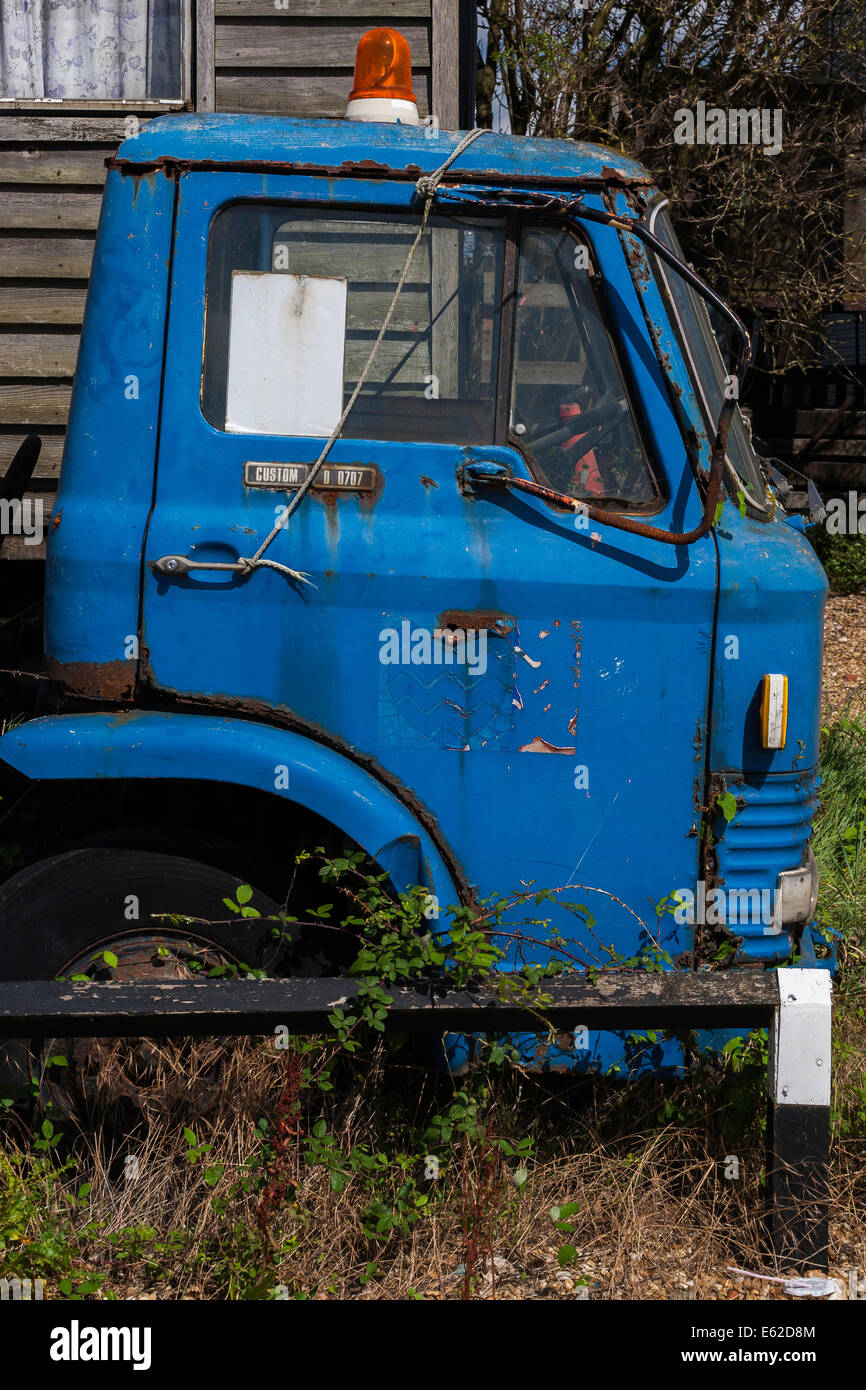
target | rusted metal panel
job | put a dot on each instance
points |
(94, 680)
(369, 168)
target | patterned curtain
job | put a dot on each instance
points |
(90, 49)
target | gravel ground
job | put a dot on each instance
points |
(844, 649)
(546, 1281)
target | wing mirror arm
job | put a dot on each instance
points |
(496, 475)
(481, 474)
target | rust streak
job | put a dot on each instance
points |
(476, 619)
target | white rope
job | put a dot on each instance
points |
(426, 188)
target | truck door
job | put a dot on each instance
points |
(538, 684)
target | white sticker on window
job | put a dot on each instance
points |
(287, 337)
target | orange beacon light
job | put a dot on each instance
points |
(383, 80)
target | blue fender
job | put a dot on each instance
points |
(209, 748)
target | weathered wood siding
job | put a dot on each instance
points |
(300, 59)
(51, 175)
(249, 56)
(836, 460)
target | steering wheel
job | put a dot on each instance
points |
(593, 425)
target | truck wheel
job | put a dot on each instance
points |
(60, 916)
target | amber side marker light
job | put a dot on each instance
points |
(774, 711)
(383, 80)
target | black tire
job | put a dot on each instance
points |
(59, 914)
(183, 842)
(57, 909)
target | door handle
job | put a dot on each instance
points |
(177, 566)
(182, 566)
(207, 559)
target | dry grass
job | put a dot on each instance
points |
(656, 1218)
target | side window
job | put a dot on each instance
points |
(434, 376)
(570, 411)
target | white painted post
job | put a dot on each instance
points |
(798, 1129)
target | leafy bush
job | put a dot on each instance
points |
(844, 559)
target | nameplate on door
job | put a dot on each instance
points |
(333, 477)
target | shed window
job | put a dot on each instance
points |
(91, 50)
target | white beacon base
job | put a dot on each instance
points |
(390, 109)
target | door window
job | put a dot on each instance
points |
(434, 377)
(570, 410)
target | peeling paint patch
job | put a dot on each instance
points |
(518, 651)
(577, 638)
(541, 745)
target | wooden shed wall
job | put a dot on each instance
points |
(300, 60)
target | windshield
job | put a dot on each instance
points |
(708, 370)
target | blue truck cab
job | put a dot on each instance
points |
(517, 630)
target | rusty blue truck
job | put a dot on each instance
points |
(407, 499)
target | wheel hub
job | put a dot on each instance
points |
(138, 1077)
